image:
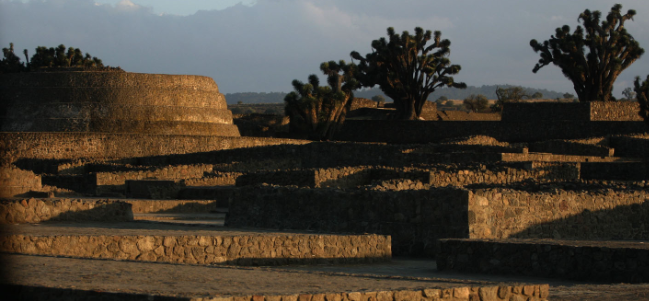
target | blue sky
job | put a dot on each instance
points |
(262, 45)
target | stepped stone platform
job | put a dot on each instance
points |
(191, 244)
(113, 102)
(600, 261)
(34, 277)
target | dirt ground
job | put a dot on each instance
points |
(201, 281)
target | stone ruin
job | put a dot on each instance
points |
(113, 102)
(191, 192)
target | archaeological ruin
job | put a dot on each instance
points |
(112, 180)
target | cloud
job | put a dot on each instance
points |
(263, 47)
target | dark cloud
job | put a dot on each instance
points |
(265, 46)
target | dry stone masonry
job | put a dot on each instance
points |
(114, 102)
(147, 168)
(222, 249)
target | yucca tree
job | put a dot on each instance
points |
(318, 111)
(642, 94)
(11, 62)
(408, 69)
(592, 56)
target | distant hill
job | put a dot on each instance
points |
(450, 93)
(254, 97)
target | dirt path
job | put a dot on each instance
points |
(196, 281)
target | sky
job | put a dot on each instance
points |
(262, 45)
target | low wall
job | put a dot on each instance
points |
(505, 174)
(545, 111)
(634, 147)
(99, 146)
(225, 249)
(176, 206)
(458, 175)
(15, 181)
(411, 132)
(574, 260)
(16, 211)
(78, 183)
(215, 179)
(615, 111)
(569, 214)
(115, 181)
(581, 111)
(414, 218)
(619, 171)
(343, 177)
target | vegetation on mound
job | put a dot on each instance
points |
(51, 59)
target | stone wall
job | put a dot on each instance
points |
(615, 111)
(215, 178)
(583, 261)
(112, 181)
(232, 250)
(341, 177)
(41, 210)
(113, 102)
(618, 171)
(569, 214)
(454, 175)
(581, 111)
(73, 146)
(634, 147)
(505, 174)
(176, 206)
(417, 218)
(15, 181)
(412, 132)
(414, 218)
(545, 111)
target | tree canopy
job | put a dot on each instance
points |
(594, 55)
(505, 95)
(476, 103)
(407, 69)
(47, 59)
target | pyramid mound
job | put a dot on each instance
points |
(113, 102)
